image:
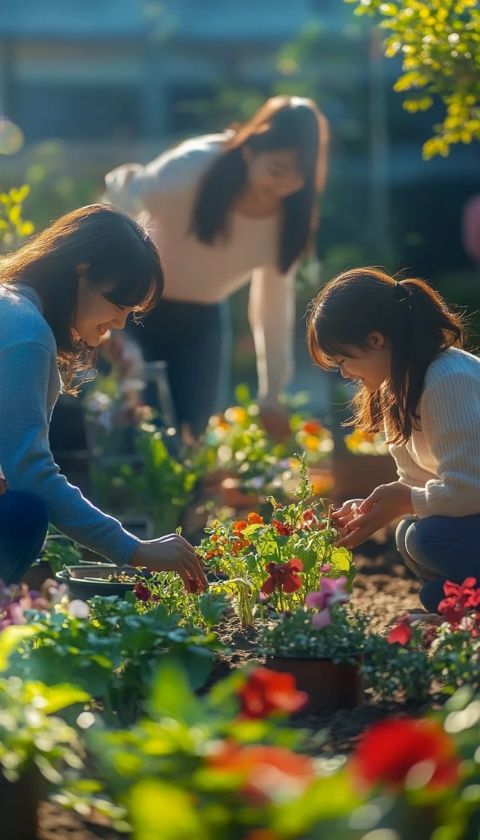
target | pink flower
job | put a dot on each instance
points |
(331, 592)
(11, 614)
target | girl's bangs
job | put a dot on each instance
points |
(325, 349)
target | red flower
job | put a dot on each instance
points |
(141, 591)
(461, 600)
(265, 773)
(270, 691)
(401, 632)
(390, 750)
(255, 519)
(282, 529)
(283, 576)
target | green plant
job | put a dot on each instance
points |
(113, 653)
(439, 44)
(59, 552)
(344, 639)
(157, 483)
(13, 227)
(278, 561)
(206, 768)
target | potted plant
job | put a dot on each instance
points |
(321, 645)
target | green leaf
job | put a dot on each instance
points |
(171, 695)
(161, 810)
(11, 637)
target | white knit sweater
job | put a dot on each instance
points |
(197, 273)
(441, 461)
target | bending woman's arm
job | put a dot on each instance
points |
(25, 374)
(271, 313)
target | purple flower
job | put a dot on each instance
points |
(332, 591)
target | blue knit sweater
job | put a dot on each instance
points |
(29, 387)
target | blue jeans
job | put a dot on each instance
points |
(194, 339)
(440, 548)
(23, 528)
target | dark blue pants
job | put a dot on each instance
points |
(194, 340)
(23, 527)
(440, 548)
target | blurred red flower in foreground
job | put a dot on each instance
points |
(401, 633)
(283, 576)
(390, 751)
(270, 691)
(264, 772)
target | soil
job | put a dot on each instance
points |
(384, 589)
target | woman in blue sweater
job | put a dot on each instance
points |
(59, 294)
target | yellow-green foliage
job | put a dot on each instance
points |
(13, 226)
(439, 43)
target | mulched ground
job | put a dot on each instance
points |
(383, 589)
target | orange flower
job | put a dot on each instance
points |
(265, 773)
(239, 526)
(255, 519)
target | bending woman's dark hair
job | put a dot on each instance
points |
(282, 123)
(413, 317)
(117, 257)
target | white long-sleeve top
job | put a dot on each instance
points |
(441, 461)
(165, 190)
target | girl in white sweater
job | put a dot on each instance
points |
(403, 344)
(223, 209)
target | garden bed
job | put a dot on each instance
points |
(384, 589)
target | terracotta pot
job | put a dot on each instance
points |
(329, 685)
(19, 803)
(355, 476)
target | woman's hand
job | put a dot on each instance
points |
(387, 502)
(172, 553)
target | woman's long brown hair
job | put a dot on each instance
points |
(414, 319)
(282, 123)
(113, 252)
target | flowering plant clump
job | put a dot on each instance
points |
(415, 653)
(226, 763)
(360, 442)
(277, 563)
(324, 629)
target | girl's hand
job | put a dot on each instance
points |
(172, 553)
(387, 502)
(346, 513)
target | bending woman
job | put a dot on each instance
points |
(224, 209)
(59, 294)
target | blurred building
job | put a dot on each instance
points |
(128, 69)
